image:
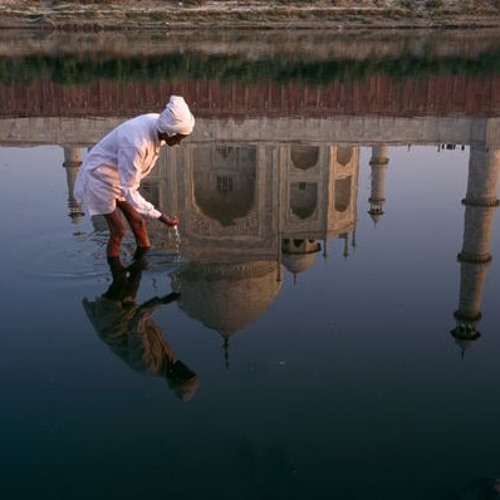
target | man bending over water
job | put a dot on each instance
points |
(110, 176)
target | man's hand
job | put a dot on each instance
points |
(169, 220)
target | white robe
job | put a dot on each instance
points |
(114, 167)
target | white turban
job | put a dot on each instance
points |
(176, 118)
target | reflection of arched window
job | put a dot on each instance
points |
(226, 152)
(224, 182)
(344, 155)
(343, 194)
(303, 198)
(304, 157)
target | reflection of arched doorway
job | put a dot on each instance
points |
(303, 199)
(224, 182)
(344, 155)
(304, 157)
(343, 194)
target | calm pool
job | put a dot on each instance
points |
(329, 371)
(328, 326)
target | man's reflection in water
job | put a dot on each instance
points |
(131, 333)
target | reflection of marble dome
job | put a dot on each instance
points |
(227, 297)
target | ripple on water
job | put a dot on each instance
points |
(83, 256)
(64, 257)
(159, 260)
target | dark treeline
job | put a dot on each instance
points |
(81, 69)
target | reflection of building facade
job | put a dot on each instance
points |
(246, 210)
(252, 200)
(285, 201)
(319, 200)
(253, 205)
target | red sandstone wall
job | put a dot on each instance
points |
(377, 95)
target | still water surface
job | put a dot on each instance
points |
(347, 382)
(324, 342)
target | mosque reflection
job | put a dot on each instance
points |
(252, 211)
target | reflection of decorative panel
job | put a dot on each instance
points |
(330, 205)
(345, 167)
(202, 225)
(306, 174)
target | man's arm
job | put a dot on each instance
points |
(130, 162)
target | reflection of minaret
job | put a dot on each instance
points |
(226, 350)
(378, 164)
(480, 204)
(72, 162)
